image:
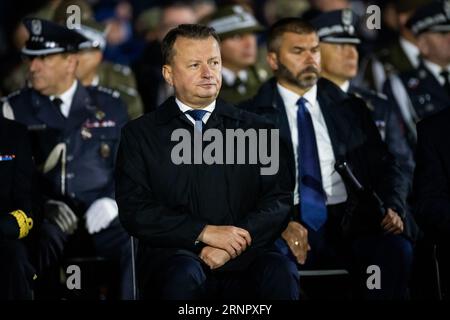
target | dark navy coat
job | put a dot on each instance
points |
(425, 94)
(83, 172)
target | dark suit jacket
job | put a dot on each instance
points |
(16, 169)
(355, 140)
(432, 175)
(166, 206)
(389, 125)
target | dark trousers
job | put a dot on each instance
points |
(393, 254)
(16, 271)
(113, 243)
(183, 276)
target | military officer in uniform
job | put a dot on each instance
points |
(425, 90)
(236, 28)
(75, 132)
(16, 219)
(400, 56)
(92, 69)
(338, 41)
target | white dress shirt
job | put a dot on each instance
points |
(66, 99)
(411, 51)
(332, 182)
(183, 107)
(345, 86)
(230, 77)
(436, 70)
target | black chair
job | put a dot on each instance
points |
(325, 284)
(426, 276)
(134, 245)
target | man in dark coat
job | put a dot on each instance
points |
(205, 229)
(432, 188)
(333, 225)
(16, 218)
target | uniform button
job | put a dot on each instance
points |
(69, 157)
(70, 175)
(72, 195)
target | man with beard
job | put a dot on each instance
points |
(332, 224)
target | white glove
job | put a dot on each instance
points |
(100, 214)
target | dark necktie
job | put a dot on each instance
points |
(57, 102)
(445, 74)
(197, 115)
(239, 86)
(312, 196)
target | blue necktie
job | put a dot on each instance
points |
(312, 196)
(197, 115)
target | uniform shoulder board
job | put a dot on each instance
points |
(355, 94)
(262, 74)
(111, 92)
(374, 93)
(381, 95)
(122, 69)
(13, 94)
(367, 103)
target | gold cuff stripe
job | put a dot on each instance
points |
(25, 223)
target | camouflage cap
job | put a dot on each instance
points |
(95, 33)
(231, 20)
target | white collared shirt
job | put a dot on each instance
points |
(345, 86)
(411, 51)
(332, 182)
(436, 70)
(230, 77)
(66, 99)
(95, 81)
(183, 107)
